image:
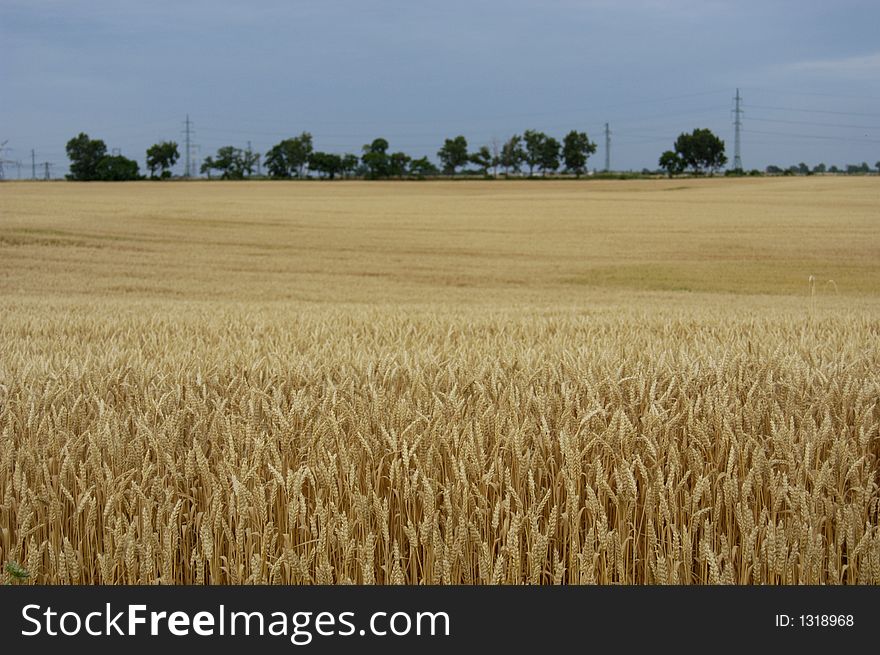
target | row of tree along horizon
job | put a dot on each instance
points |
(699, 152)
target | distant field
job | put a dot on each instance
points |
(539, 382)
(503, 241)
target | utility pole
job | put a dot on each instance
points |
(188, 133)
(607, 148)
(737, 123)
(33, 165)
(2, 148)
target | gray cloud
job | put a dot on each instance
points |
(348, 71)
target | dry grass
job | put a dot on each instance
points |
(441, 383)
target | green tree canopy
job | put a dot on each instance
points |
(672, 163)
(116, 168)
(289, 157)
(855, 169)
(325, 163)
(161, 157)
(248, 162)
(422, 168)
(512, 154)
(701, 150)
(549, 159)
(482, 159)
(378, 145)
(376, 160)
(85, 155)
(534, 148)
(453, 154)
(398, 163)
(576, 149)
(232, 163)
(350, 164)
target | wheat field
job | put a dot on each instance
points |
(441, 383)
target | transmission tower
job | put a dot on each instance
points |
(737, 123)
(33, 165)
(188, 144)
(607, 148)
(2, 161)
(46, 166)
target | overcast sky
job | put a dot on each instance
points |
(416, 72)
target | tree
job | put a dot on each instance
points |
(855, 169)
(298, 150)
(576, 149)
(162, 156)
(85, 155)
(772, 169)
(453, 154)
(482, 159)
(803, 169)
(398, 163)
(375, 159)
(513, 154)
(233, 163)
(276, 161)
(422, 168)
(819, 168)
(116, 168)
(350, 164)
(833, 169)
(672, 163)
(227, 163)
(495, 146)
(877, 166)
(549, 155)
(325, 163)
(534, 151)
(208, 165)
(289, 157)
(248, 162)
(701, 150)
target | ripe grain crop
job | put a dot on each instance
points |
(438, 384)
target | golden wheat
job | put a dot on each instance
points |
(527, 436)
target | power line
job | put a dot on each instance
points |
(787, 92)
(404, 135)
(496, 117)
(840, 125)
(815, 111)
(814, 136)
